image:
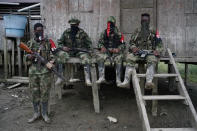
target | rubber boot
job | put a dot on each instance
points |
(45, 112)
(59, 80)
(127, 77)
(118, 74)
(101, 68)
(87, 75)
(36, 115)
(149, 77)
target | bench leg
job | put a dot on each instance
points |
(95, 89)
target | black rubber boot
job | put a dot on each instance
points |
(45, 112)
(36, 115)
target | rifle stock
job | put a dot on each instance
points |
(26, 48)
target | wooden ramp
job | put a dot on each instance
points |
(183, 95)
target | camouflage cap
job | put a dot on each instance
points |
(111, 19)
(74, 21)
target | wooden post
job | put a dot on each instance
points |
(142, 80)
(186, 74)
(13, 56)
(95, 90)
(19, 57)
(9, 64)
(171, 85)
(155, 92)
(5, 58)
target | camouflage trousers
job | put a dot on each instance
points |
(131, 59)
(109, 58)
(40, 85)
(62, 57)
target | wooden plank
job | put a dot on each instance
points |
(13, 86)
(14, 80)
(13, 56)
(18, 77)
(5, 58)
(19, 57)
(186, 74)
(95, 89)
(159, 75)
(155, 92)
(172, 129)
(192, 109)
(171, 80)
(74, 60)
(140, 102)
(164, 97)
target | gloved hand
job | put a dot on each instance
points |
(156, 53)
(135, 50)
(103, 49)
(65, 48)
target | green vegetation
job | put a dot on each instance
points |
(192, 73)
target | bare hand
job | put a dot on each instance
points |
(156, 53)
(116, 50)
(135, 49)
(49, 65)
(103, 49)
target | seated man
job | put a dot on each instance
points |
(112, 45)
(72, 40)
(146, 46)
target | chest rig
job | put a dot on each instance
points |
(111, 41)
(145, 44)
(42, 48)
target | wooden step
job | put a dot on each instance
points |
(159, 75)
(173, 129)
(164, 97)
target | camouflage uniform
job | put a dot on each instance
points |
(39, 79)
(143, 39)
(110, 40)
(148, 44)
(39, 75)
(80, 40)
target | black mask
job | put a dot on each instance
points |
(145, 29)
(39, 36)
(74, 30)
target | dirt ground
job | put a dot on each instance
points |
(75, 111)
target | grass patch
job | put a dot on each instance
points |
(192, 71)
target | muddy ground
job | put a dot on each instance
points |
(75, 111)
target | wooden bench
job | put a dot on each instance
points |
(69, 73)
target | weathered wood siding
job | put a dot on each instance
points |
(176, 19)
(92, 13)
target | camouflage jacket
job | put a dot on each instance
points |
(151, 43)
(111, 41)
(82, 40)
(44, 51)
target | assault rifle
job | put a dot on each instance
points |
(72, 49)
(41, 59)
(144, 53)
